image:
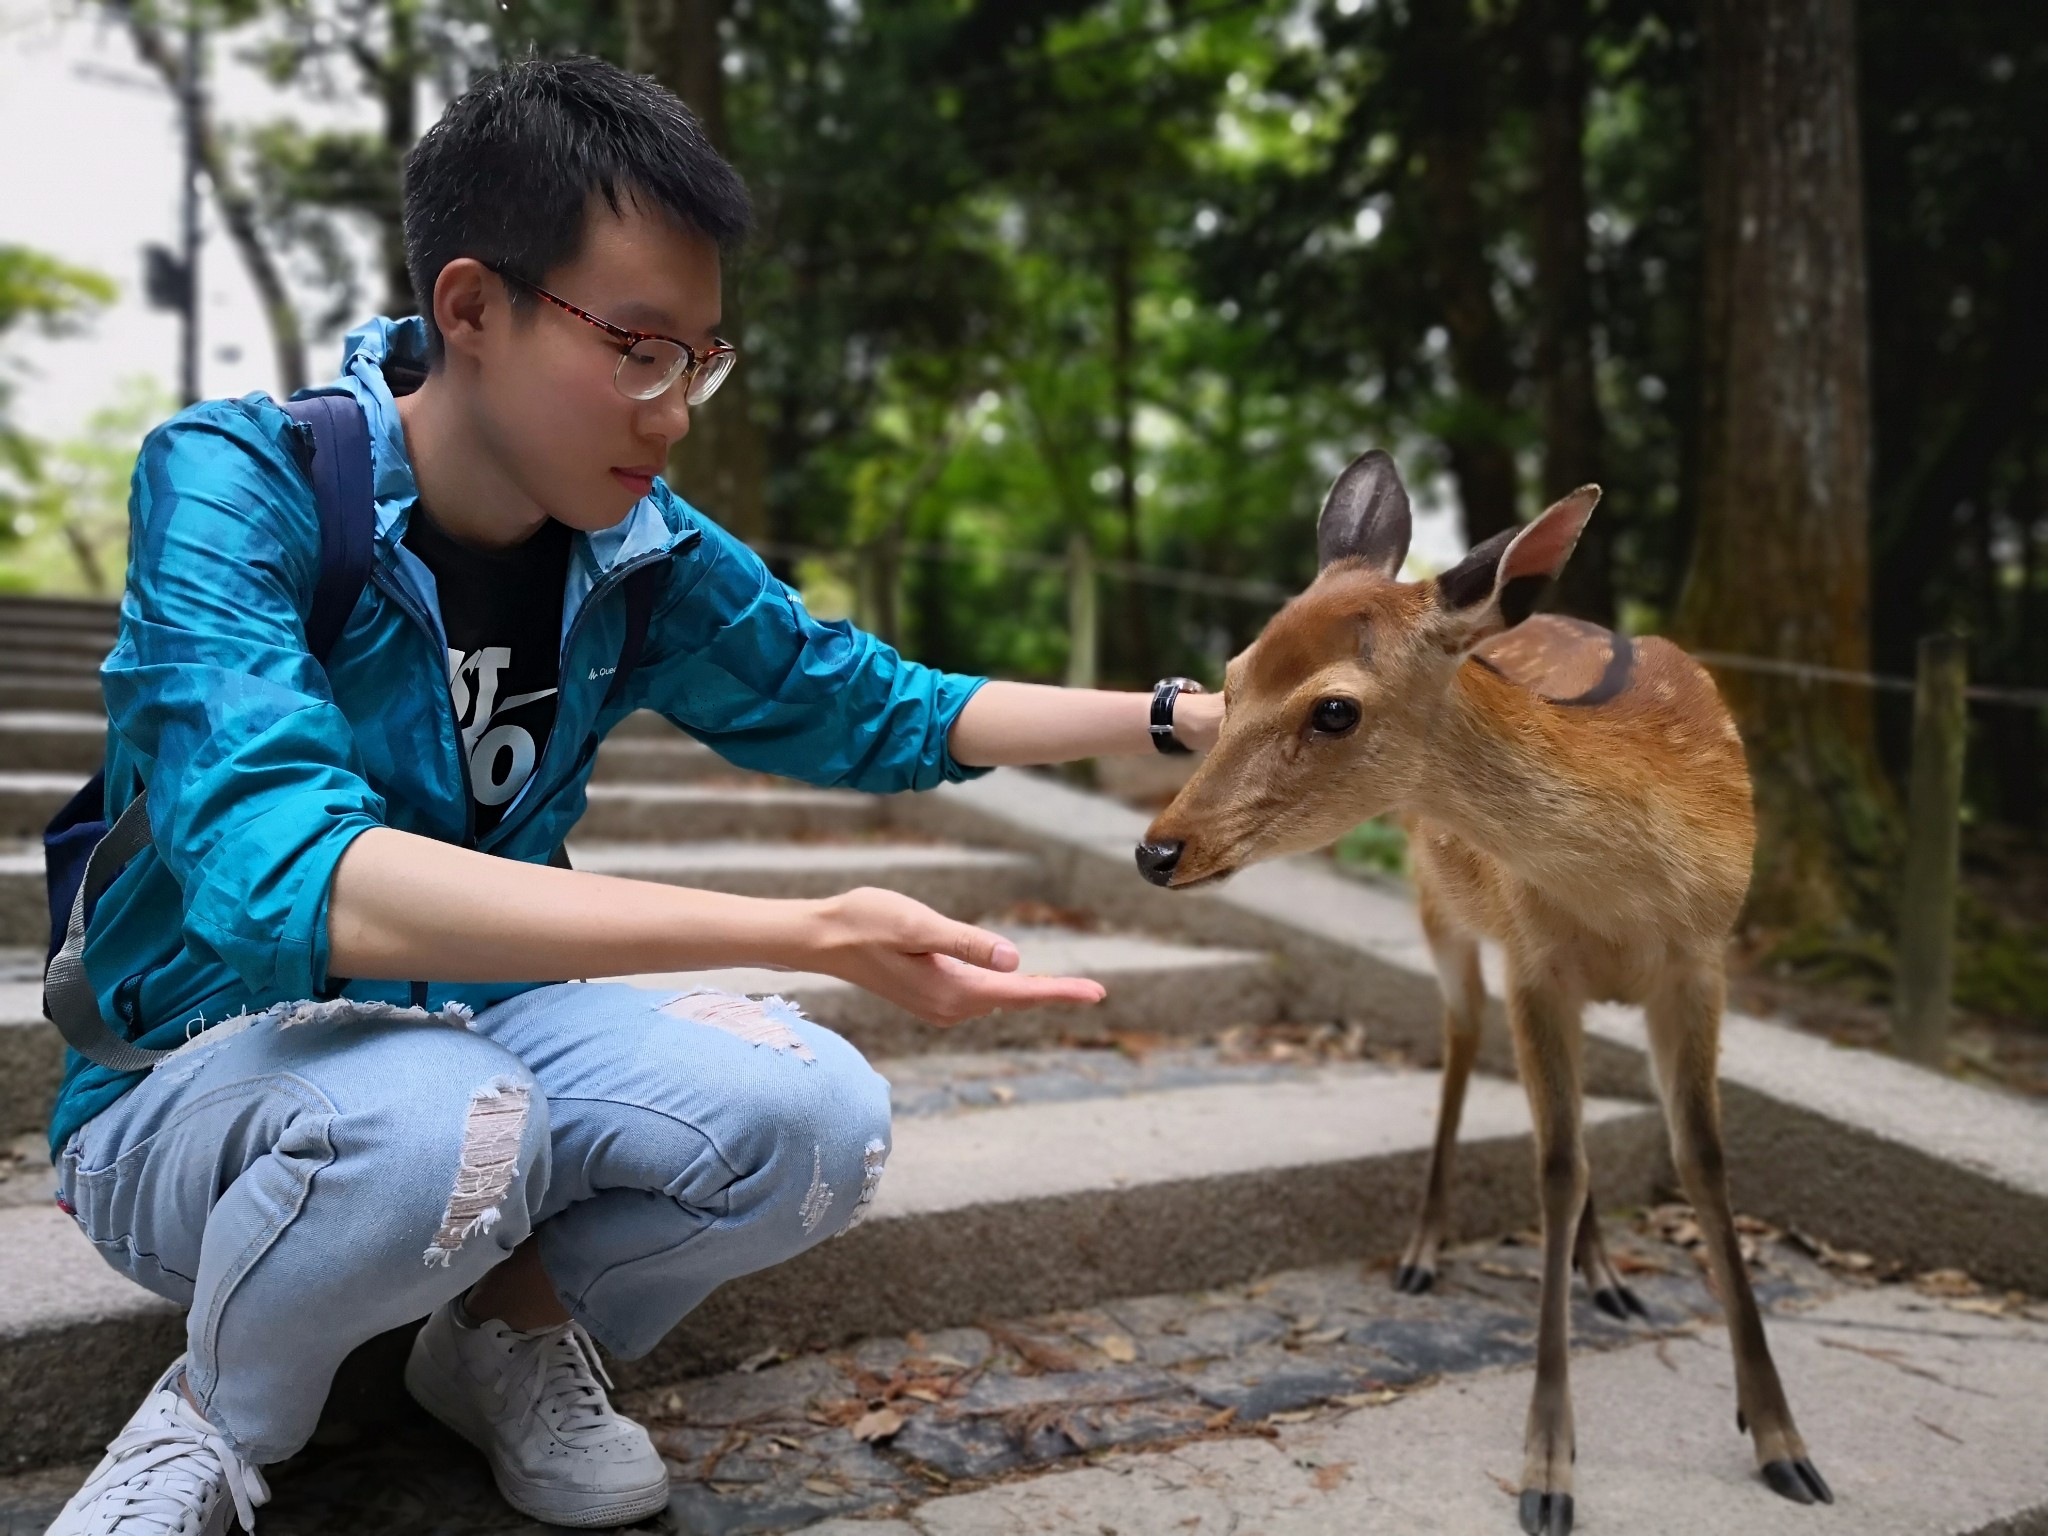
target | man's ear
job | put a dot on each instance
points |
(464, 294)
(1497, 585)
(1365, 516)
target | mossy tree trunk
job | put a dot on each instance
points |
(722, 465)
(1780, 562)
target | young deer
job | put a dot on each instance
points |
(1578, 797)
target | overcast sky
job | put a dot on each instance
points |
(90, 173)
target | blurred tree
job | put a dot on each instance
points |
(722, 463)
(49, 297)
(1780, 564)
(239, 213)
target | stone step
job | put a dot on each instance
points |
(1155, 990)
(675, 812)
(71, 666)
(961, 882)
(1042, 1202)
(76, 694)
(29, 799)
(31, 638)
(645, 757)
(52, 740)
(79, 612)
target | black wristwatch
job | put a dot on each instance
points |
(1164, 692)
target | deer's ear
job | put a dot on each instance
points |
(1496, 586)
(1365, 516)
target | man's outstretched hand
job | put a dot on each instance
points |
(941, 970)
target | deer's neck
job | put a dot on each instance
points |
(1515, 777)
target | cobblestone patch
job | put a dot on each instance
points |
(885, 1424)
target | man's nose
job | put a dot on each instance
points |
(1157, 861)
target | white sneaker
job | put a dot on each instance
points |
(533, 1404)
(169, 1473)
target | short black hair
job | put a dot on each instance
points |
(507, 174)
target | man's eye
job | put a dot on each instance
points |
(1333, 717)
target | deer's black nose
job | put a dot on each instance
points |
(1156, 861)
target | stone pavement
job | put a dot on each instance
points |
(1314, 1400)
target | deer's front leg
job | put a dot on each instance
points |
(1456, 952)
(1546, 1028)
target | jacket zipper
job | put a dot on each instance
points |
(598, 592)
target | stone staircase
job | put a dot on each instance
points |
(1250, 1109)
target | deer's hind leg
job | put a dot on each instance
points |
(1684, 1014)
(1455, 949)
(1610, 1294)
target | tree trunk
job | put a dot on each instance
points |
(1780, 561)
(237, 208)
(1123, 366)
(1453, 138)
(721, 466)
(1572, 428)
(397, 83)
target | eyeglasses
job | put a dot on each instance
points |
(648, 363)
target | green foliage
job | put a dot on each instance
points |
(1379, 847)
(47, 297)
(70, 529)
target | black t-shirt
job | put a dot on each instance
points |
(502, 610)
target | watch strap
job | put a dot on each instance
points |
(1164, 692)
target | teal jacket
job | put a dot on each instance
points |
(262, 765)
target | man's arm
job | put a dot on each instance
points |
(1019, 723)
(403, 905)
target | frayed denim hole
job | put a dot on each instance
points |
(491, 1136)
(769, 1021)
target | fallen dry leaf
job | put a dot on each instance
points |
(1982, 1306)
(825, 1486)
(1946, 1282)
(1379, 1399)
(877, 1424)
(1220, 1419)
(1119, 1348)
(1291, 1416)
(1328, 1479)
(1506, 1271)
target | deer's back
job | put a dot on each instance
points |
(1637, 831)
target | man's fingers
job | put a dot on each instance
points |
(978, 947)
(984, 991)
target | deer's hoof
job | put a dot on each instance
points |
(1620, 1303)
(1800, 1481)
(1546, 1514)
(1414, 1279)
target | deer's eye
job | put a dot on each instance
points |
(1333, 717)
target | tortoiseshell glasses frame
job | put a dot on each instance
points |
(649, 363)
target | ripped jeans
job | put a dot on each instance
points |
(315, 1175)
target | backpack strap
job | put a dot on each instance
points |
(343, 496)
(342, 491)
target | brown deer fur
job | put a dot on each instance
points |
(1605, 845)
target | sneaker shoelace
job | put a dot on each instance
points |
(162, 1472)
(567, 1377)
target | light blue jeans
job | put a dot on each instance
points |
(309, 1177)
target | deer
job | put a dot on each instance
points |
(1580, 798)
